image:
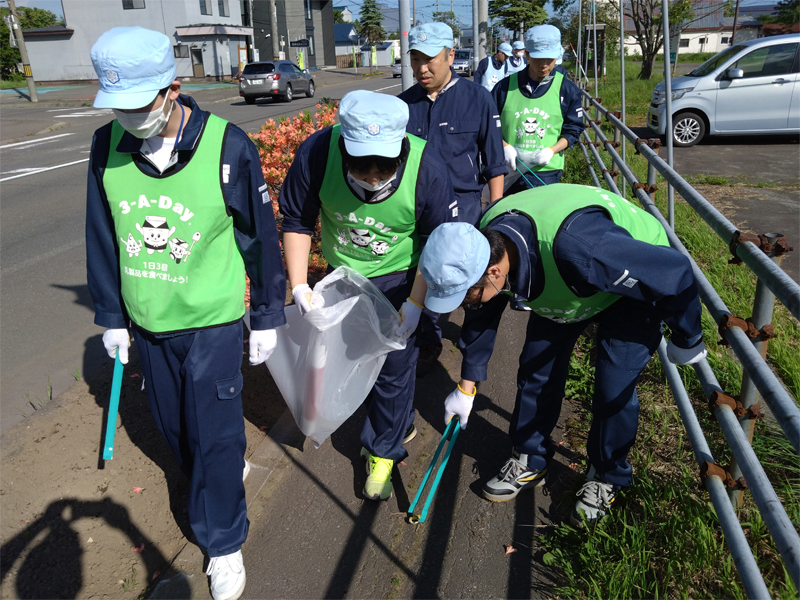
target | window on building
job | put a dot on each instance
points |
(703, 40)
(684, 42)
(308, 9)
(180, 51)
(725, 39)
(205, 7)
(224, 11)
(132, 4)
(311, 45)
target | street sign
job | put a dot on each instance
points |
(672, 56)
(299, 44)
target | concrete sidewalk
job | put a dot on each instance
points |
(313, 536)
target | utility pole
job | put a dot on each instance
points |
(16, 31)
(273, 21)
(414, 24)
(483, 7)
(735, 20)
(405, 60)
(475, 45)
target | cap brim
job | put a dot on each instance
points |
(543, 54)
(124, 101)
(387, 149)
(444, 305)
(429, 51)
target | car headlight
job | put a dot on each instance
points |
(659, 96)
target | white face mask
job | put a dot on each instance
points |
(145, 125)
(370, 187)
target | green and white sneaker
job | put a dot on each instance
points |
(514, 477)
(379, 477)
(410, 434)
(594, 499)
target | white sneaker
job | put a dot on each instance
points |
(246, 471)
(594, 499)
(226, 574)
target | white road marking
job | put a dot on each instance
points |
(44, 169)
(89, 113)
(388, 88)
(47, 139)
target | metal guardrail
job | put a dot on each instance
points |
(748, 342)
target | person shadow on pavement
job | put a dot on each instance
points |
(136, 418)
(52, 567)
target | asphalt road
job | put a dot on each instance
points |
(47, 335)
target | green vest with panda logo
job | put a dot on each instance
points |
(549, 206)
(374, 239)
(180, 267)
(533, 124)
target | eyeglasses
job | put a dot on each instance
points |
(505, 289)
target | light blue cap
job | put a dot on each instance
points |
(430, 38)
(560, 58)
(518, 45)
(133, 64)
(454, 258)
(543, 41)
(505, 48)
(373, 124)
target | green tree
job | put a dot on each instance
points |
(29, 18)
(518, 15)
(338, 16)
(729, 8)
(786, 12)
(448, 17)
(372, 22)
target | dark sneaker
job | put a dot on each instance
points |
(594, 499)
(410, 434)
(428, 357)
(514, 477)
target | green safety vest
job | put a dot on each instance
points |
(549, 207)
(179, 264)
(377, 238)
(532, 125)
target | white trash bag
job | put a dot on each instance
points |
(326, 362)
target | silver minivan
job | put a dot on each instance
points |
(752, 87)
(462, 63)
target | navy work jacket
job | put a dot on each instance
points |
(246, 199)
(593, 255)
(463, 126)
(571, 109)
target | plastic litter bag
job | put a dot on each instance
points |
(327, 361)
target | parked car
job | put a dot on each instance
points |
(396, 68)
(752, 87)
(276, 79)
(462, 64)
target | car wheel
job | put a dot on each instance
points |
(395, 76)
(688, 129)
(311, 89)
(250, 99)
(288, 96)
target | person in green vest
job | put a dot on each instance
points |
(570, 255)
(540, 113)
(378, 193)
(177, 211)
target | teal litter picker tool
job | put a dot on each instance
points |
(450, 434)
(113, 408)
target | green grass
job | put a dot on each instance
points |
(6, 84)
(662, 538)
(694, 57)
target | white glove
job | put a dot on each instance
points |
(458, 403)
(542, 157)
(305, 300)
(510, 154)
(262, 343)
(685, 356)
(410, 313)
(117, 338)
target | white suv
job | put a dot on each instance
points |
(752, 87)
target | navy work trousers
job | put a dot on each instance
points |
(628, 334)
(391, 401)
(194, 385)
